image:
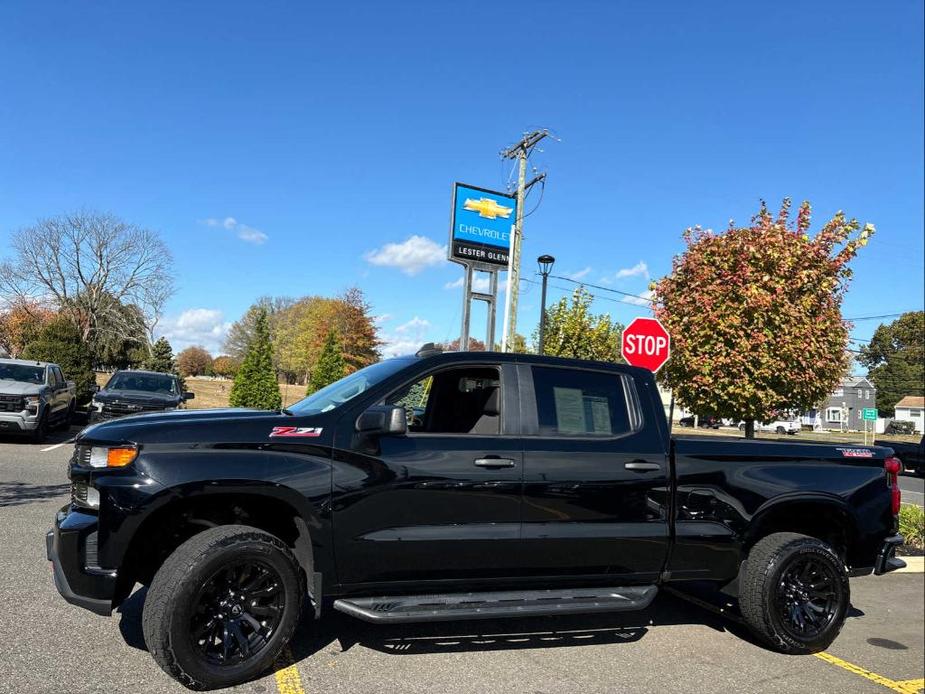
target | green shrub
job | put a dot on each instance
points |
(255, 384)
(330, 366)
(59, 342)
(912, 525)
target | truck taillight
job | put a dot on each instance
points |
(893, 467)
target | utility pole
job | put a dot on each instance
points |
(521, 152)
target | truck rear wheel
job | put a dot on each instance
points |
(222, 607)
(794, 593)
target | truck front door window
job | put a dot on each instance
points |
(463, 400)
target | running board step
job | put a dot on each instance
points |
(523, 603)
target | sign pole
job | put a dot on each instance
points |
(467, 300)
(490, 329)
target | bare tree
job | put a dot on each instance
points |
(89, 264)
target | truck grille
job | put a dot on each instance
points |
(81, 456)
(120, 409)
(79, 491)
(12, 403)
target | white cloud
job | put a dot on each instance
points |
(242, 231)
(196, 326)
(640, 269)
(643, 299)
(410, 256)
(407, 338)
(578, 275)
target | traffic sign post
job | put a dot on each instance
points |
(869, 414)
(646, 343)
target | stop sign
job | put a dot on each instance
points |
(646, 343)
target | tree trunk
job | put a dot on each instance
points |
(750, 429)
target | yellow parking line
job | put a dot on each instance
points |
(288, 680)
(903, 686)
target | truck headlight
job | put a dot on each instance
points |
(32, 402)
(97, 405)
(103, 456)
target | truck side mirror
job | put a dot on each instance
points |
(95, 388)
(383, 420)
(189, 395)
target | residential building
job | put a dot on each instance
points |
(844, 408)
(911, 409)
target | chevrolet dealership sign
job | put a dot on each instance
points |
(481, 226)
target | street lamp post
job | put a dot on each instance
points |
(545, 263)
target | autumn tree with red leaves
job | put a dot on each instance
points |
(755, 315)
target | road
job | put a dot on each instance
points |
(913, 489)
(47, 645)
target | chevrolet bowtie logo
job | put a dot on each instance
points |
(487, 208)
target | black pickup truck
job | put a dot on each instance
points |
(457, 486)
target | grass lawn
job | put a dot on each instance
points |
(214, 393)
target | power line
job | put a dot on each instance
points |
(606, 289)
(885, 315)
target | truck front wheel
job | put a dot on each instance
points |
(222, 607)
(794, 593)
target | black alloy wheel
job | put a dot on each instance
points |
(806, 598)
(794, 592)
(237, 611)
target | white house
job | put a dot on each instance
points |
(911, 409)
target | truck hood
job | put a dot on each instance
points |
(138, 397)
(200, 427)
(9, 387)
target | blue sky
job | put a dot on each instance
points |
(292, 149)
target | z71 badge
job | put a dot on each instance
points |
(304, 432)
(856, 453)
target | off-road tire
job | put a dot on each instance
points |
(763, 571)
(170, 601)
(41, 430)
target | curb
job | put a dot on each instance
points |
(914, 565)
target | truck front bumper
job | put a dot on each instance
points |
(886, 557)
(17, 422)
(71, 548)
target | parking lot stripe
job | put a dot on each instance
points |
(288, 680)
(903, 686)
(51, 448)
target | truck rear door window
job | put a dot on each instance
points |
(581, 403)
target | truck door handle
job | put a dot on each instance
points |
(494, 462)
(642, 467)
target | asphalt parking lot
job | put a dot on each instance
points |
(47, 645)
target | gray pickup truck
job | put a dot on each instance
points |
(34, 397)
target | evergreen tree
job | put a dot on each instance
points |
(330, 367)
(255, 384)
(60, 342)
(161, 358)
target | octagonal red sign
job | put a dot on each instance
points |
(646, 343)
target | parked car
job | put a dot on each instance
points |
(529, 485)
(34, 396)
(705, 422)
(900, 426)
(778, 426)
(137, 392)
(912, 455)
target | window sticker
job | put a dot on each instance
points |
(570, 410)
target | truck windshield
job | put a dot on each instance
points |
(22, 372)
(151, 383)
(348, 387)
